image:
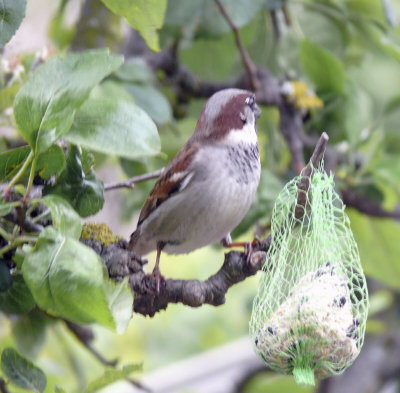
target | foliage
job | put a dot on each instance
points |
(56, 101)
(70, 112)
(12, 13)
(145, 16)
(22, 372)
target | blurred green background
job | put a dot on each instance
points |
(347, 52)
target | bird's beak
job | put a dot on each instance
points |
(256, 111)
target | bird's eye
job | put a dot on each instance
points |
(250, 101)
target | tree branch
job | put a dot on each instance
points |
(122, 262)
(251, 69)
(291, 126)
(130, 183)
(364, 205)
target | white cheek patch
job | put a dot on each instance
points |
(246, 135)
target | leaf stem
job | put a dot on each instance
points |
(18, 175)
(30, 180)
(41, 215)
(17, 242)
(5, 234)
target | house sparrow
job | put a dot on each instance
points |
(207, 189)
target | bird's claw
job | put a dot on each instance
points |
(248, 251)
(157, 278)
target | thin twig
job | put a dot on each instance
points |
(275, 25)
(85, 336)
(317, 154)
(130, 183)
(138, 385)
(304, 183)
(251, 69)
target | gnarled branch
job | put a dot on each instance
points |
(122, 263)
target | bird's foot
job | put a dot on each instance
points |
(248, 246)
(157, 277)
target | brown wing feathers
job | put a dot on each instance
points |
(170, 180)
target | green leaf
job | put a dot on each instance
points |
(110, 89)
(112, 375)
(324, 69)
(64, 217)
(21, 372)
(202, 17)
(134, 70)
(115, 127)
(12, 12)
(380, 301)
(393, 105)
(5, 207)
(18, 298)
(79, 185)
(152, 101)
(358, 113)
(387, 170)
(60, 33)
(58, 389)
(379, 247)
(45, 105)
(7, 95)
(29, 332)
(11, 161)
(120, 303)
(50, 162)
(146, 16)
(213, 60)
(372, 10)
(67, 279)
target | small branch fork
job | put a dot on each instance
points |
(194, 293)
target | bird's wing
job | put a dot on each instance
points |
(170, 182)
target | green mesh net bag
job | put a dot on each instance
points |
(310, 311)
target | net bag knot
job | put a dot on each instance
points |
(311, 307)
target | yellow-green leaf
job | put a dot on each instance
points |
(378, 243)
(146, 16)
